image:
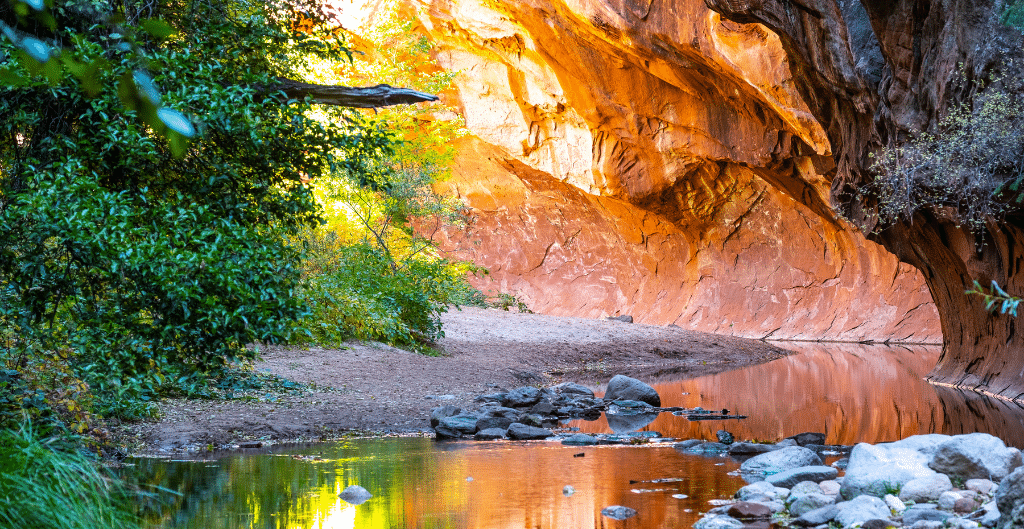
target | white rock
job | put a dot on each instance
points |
(925, 489)
(948, 499)
(895, 504)
(718, 522)
(830, 488)
(760, 488)
(975, 456)
(981, 486)
(879, 469)
(861, 509)
(777, 461)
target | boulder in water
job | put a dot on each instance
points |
(355, 495)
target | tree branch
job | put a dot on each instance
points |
(381, 95)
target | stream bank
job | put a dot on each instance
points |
(376, 389)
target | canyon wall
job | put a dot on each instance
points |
(652, 159)
(874, 76)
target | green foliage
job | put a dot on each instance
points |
(971, 168)
(46, 486)
(996, 299)
(1013, 14)
(358, 291)
(148, 262)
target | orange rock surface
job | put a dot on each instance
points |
(651, 159)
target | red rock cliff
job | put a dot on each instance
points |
(875, 72)
(649, 158)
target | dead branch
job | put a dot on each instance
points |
(381, 95)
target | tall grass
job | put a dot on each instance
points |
(43, 486)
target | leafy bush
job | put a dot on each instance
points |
(971, 168)
(358, 291)
(44, 485)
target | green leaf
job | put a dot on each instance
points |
(157, 28)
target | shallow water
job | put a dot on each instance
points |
(852, 393)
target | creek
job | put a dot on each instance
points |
(852, 393)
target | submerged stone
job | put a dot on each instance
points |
(618, 512)
(355, 495)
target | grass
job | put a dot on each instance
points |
(43, 486)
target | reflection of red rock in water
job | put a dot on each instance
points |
(852, 393)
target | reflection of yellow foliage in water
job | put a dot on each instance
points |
(420, 483)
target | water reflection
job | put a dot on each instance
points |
(419, 483)
(851, 392)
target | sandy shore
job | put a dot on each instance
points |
(374, 388)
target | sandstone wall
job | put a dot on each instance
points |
(650, 158)
(876, 71)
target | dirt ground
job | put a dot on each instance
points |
(374, 388)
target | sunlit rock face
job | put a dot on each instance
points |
(651, 159)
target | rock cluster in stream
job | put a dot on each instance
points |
(529, 413)
(922, 482)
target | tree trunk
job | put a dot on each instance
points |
(875, 72)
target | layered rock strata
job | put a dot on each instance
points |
(652, 159)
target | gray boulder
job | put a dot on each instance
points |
(981, 486)
(817, 517)
(621, 387)
(489, 423)
(788, 478)
(355, 495)
(718, 522)
(491, 397)
(883, 468)
(809, 502)
(861, 509)
(573, 389)
(618, 512)
(927, 512)
(705, 448)
(808, 438)
(501, 411)
(456, 426)
(522, 397)
(925, 489)
(760, 488)
(975, 456)
(580, 439)
(757, 467)
(725, 437)
(1010, 501)
(490, 434)
(522, 432)
(746, 449)
(990, 514)
(804, 487)
(441, 412)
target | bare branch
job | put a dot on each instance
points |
(381, 95)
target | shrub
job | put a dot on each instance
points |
(971, 168)
(358, 291)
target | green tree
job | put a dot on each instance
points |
(139, 258)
